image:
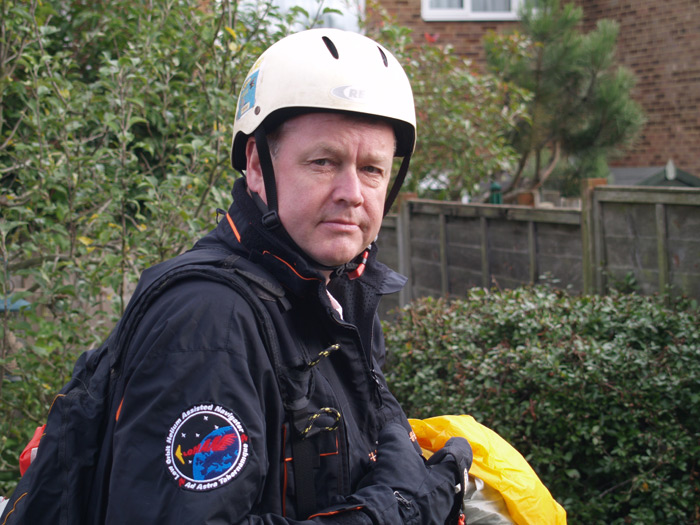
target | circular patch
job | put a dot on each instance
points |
(206, 448)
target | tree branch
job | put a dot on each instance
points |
(552, 164)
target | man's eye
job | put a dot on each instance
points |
(320, 162)
(373, 169)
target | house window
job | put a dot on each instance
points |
(348, 19)
(446, 10)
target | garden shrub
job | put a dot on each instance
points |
(115, 128)
(600, 393)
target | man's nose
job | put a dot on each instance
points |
(349, 186)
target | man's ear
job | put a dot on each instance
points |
(253, 172)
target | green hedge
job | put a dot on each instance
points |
(115, 127)
(600, 394)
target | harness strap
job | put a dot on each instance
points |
(304, 452)
(305, 459)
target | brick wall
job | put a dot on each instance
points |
(466, 37)
(659, 41)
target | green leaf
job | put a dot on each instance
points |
(136, 120)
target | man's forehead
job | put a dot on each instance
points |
(339, 118)
(340, 122)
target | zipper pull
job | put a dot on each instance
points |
(376, 379)
(403, 501)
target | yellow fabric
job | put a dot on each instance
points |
(498, 465)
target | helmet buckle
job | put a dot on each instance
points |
(271, 220)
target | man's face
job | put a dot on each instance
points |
(332, 173)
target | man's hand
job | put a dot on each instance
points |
(426, 492)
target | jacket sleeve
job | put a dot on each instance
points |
(199, 416)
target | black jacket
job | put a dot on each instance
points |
(203, 434)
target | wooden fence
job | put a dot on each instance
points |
(650, 234)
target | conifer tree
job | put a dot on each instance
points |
(581, 110)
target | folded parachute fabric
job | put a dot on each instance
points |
(506, 475)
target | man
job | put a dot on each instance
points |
(319, 120)
(218, 423)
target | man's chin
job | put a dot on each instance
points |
(335, 259)
(334, 251)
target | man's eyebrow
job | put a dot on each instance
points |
(326, 149)
(332, 150)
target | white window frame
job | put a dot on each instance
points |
(444, 14)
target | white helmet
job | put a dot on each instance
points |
(325, 70)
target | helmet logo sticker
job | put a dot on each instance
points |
(352, 93)
(206, 448)
(247, 98)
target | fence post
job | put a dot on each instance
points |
(662, 247)
(485, 266)
(403, 242)
(588, 234)
(532, 250)
(600, 262)
(444, 271)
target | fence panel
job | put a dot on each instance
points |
(652, 234)
(447, 248)
(683, 247)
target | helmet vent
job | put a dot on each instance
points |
(331, 47)
(386, 62)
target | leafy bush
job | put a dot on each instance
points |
(600, 394)
(115, 126)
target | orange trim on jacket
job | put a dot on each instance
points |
(291, 267)
(335, 512)
(233, 227)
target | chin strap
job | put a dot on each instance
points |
(270, 219)
(398, 182)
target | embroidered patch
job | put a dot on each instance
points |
(206, 448)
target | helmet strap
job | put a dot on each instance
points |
(398, 182)
(270, 219)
